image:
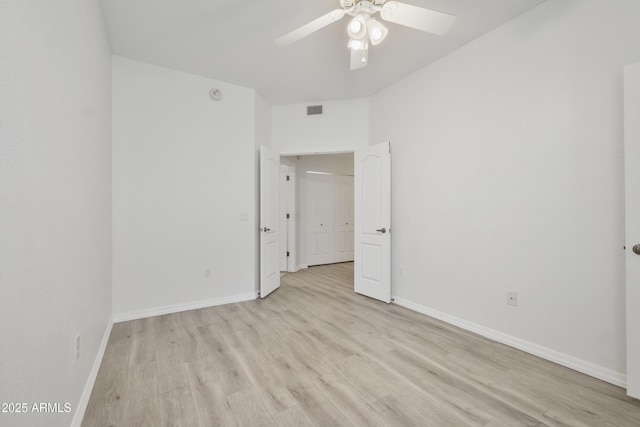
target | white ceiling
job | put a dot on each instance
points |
(233, 41)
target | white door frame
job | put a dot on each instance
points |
(283, 247)
(292, 260)
(288, 216)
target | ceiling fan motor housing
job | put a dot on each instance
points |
(361, 7)
(365, 7)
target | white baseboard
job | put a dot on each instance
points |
(93, 375)
(175, 308)
(566, 360)
(297, 268)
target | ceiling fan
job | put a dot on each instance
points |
(364, 28)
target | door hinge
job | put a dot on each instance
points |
(288, 216)
(288, 253)
(288, 178)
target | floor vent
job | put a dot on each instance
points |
(314, 110)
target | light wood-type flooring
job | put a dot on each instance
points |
(314, 353)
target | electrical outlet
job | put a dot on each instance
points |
(512, 298)
(76, 354)
(207, 273)
(402, 271)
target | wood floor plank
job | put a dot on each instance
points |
(291, 417)
(142, 407)
(178, 408)
(358, 411)
(211, 406)
(321, 410)
(143, 341)
(314, 353)
(248, 410)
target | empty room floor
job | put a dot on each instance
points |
(315, 353)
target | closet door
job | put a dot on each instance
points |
(343, 235)
(320, 219)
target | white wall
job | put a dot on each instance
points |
(55, 202)
(507, 168)
(343, 127)
(184, 176)
(263, 119)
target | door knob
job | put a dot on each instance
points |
(636, 249)
(266, 229)
(382, 230)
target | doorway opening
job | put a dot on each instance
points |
(316, 210)
(372, 224)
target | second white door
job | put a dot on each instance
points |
(372, 272)
(269, 271)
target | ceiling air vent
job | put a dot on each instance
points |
(314, 110)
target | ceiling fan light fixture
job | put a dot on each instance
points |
(356, 44)
(377, 32)
(357, 28)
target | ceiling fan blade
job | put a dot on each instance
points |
(310, 27)
(417, 17)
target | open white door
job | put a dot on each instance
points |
(632, 214)
(269, 269)
(372, 269)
